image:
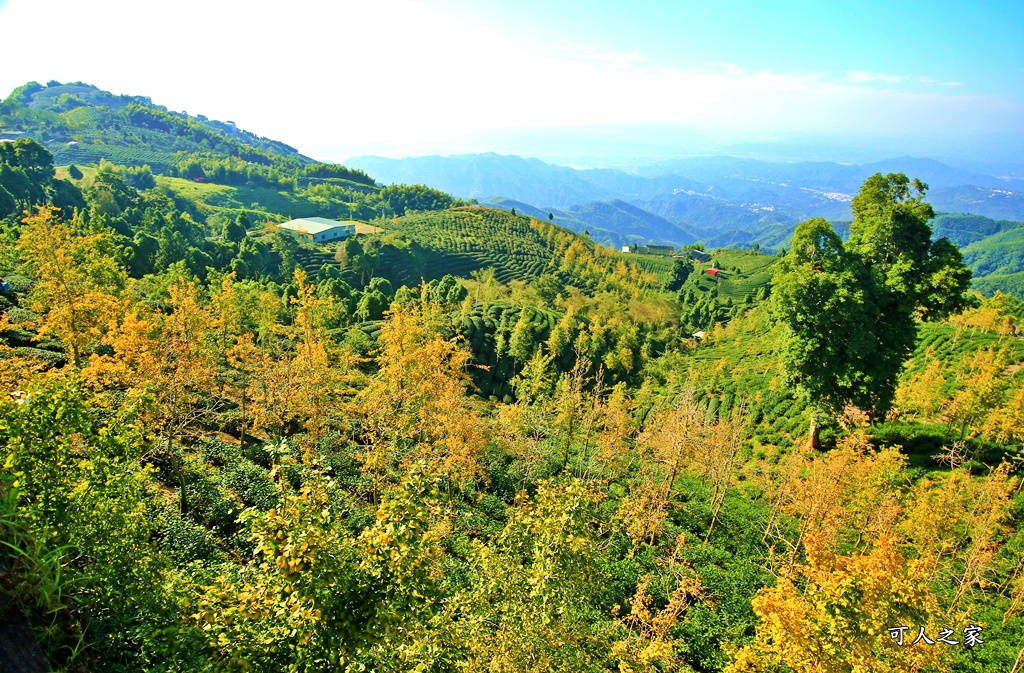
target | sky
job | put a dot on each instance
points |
(337, 79)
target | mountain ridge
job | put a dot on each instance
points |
(795, 191)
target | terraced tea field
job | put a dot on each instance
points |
(463, 240)
(742, 273)
(128, 156)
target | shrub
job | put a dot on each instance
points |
(17, 315)
(185, 540)
(252, 484)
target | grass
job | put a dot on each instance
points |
(262, 202)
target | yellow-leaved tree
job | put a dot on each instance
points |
(833, 613)
(415, 407)
(78, 278)
(170, 358)
(316, 597)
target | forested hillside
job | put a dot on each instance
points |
(473, 440)
(216, 170)
(79, 123)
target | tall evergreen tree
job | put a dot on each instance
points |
(850, 312)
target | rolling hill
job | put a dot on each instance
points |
(613, 223)
(1001, 253)
(81, 123)
(725, 201)
(217, 170)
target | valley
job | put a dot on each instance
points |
(714, 414)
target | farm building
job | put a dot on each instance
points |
(319, 229)
(666, 250)
(698, 255)
(712, 271)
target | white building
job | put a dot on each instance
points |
(319, 229)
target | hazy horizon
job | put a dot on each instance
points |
(604, 148)
(337, 80)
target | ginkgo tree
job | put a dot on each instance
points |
(78, 278)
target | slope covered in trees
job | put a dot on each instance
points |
(234, 452)
(223, 170)
(81, 124)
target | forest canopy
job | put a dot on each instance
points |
(473, 440)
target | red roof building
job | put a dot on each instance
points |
(712, 272)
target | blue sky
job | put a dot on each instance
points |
(400, 77)
(978, 44)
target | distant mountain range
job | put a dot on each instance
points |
(730, 202)
(614, 223)
(722, 200)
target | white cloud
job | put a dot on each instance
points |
(338, 78)
(588, 53)
(861, 77)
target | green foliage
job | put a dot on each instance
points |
(481, 442)
(399, 199)
(342, 595)
(8, 204)
(234, 231)
(80, 485)
(850, 311)
(998, 254)
(818, 295)
(27, 179)
(321, 170)
(681, 271)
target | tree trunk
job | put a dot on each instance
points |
(717, 508)
(241, 433)
(813, 441)
(176, 463)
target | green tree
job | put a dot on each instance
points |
(17, 183)
(67, 197)
(681, 271)
(75, 172)
(548, 288)
(235, 231)
(8, 205)
(382, 285)
(447, 291)
(349, 252)
(371, 305)
(849, 313)
(31, 157)
(908, 275)
(522, 342)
